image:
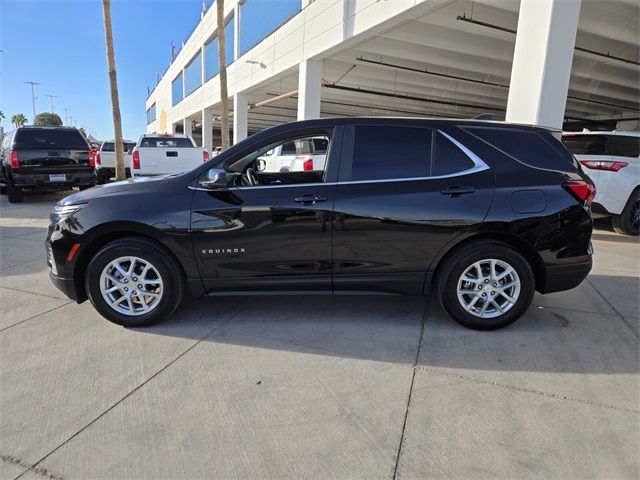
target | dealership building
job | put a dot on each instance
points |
(560, 63)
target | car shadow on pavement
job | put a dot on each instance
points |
(388, 329)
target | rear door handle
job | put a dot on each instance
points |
(311, 199)
(455, 190)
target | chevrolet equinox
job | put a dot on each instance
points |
(483, 213)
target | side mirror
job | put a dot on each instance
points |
(215, 179)
(261, 164)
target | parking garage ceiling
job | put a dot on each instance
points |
(456, 62)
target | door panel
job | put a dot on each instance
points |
(387, 234)
(389, 228)
(261, 238)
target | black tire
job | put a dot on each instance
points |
(460, 260)
(168, 268)
(84, 187)
(628, 222)
(15, 194)
(101, 179)
(3, 190)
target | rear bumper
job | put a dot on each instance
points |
(65, 285)
(111, 172)
(43, 181)
(565, 277)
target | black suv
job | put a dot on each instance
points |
(44, 159)
(487, 212)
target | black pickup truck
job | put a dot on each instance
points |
(44, 159)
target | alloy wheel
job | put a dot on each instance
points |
(488, 288)
(131, 286)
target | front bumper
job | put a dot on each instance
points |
(65, 285)
(565, 277)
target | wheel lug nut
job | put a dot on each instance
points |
(126, 289)
(486, 281)
(126, 280)
(135, 279)
(140, 286)
(484, 294)
(134, 292)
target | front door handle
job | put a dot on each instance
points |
(310, 199)
(456, 190)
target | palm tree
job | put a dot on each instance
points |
(113, 83)
(1, 116)
(19, 120)
(222, 62)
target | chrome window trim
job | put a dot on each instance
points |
(478, 166)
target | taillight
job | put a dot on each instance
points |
(92, 158)
(307, 165)
(135, 159)
(98, 160)
(603, 165)
(14, 161)
(583, 190)
(205, 156)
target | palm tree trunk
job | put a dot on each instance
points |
(222, 62)
(115, 103)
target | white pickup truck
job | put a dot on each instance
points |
(304, 154)
(164, 154)
(105, 163)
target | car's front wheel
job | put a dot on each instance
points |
(133, 282)
(486, 285)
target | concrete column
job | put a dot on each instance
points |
(542, 61)
(309, 86)
(207, 129)
(186, 126)
(240, 117)
(236, 31)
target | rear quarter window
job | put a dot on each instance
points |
(449, 159)
(35, 138)
(527, 146)
(626, 146)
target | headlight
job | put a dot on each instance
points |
(63, 211)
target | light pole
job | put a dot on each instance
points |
(52, 102)
(33, 97)
(66, 116)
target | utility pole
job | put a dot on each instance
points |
(52, 102)
(66, 116)
(70, 121)
(33, 98)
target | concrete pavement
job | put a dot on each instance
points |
(316, 387)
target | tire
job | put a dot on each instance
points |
(100, 180)
(485, 254)
(628, 222)
(15, 194)
(84, 187)
(131, 312)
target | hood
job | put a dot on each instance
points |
(132, 185)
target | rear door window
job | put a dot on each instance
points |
(383, 152)
(449, 159)
(50, 139)
(586, 144)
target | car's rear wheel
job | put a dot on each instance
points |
(628, 222)
(14, 194)
(134, 283)
(486, 285)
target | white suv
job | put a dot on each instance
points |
(612, 160)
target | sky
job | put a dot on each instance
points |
(60, 44)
